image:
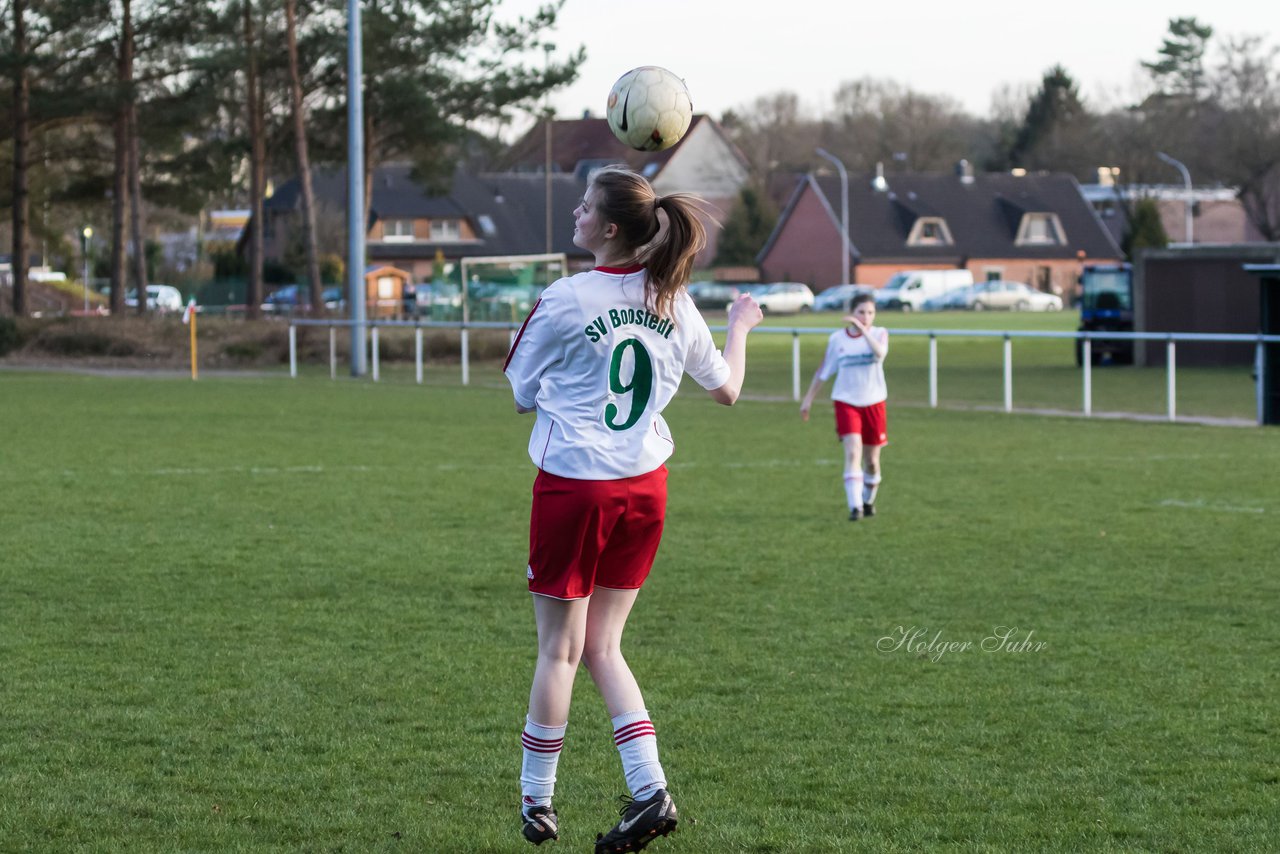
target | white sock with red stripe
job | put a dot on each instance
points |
(637, 743)
(541, 755)
(871, 484)
(853, 488)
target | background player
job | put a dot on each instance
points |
(855, 357)
(599, 357)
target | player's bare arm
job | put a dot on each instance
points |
(744, 315)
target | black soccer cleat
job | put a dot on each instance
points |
(868, 510)
(642, 822)
(540, 824)
(855, 514)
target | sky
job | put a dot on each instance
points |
(730, 52)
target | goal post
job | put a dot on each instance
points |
(503, 287)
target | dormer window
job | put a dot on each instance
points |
(930, 231)
(397, 231)
(446, 229)
(1040, 229)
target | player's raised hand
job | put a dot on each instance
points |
(745, 312)
(856, 322)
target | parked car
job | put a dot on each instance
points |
(781, 297)
(838, 297)
(1010, 295)
(286, 300)
(335, 298)
(956, 298)
(713, 294)
(160, 298)
(909, 289)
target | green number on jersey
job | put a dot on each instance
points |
(640, 387)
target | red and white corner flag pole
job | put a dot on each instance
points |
(189, 318)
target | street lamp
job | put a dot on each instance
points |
(844, 214)
(1186, 179)
(88, 235)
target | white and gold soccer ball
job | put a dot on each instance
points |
(649, 108)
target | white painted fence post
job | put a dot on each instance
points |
(1171, 358)
(293, 351)
(466, 362)
(1086, 362)
(417, 352)
(1008, 374)
(933, 371)
(333, 352)
(374, 344)
(795, 366)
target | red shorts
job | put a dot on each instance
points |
(588, 532)
(866, 421)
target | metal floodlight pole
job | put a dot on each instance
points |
(1186, 179)
(355, 188)
(844, 213)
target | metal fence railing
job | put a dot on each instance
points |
(1086, 339)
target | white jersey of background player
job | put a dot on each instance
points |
(855, 357)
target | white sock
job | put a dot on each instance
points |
(871, 484)
(637, 743)
(853, 488)
(541, 755)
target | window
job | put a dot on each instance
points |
(929, 231)
(397, 231)
(446, 229)
(994, 274)
(1040, 229)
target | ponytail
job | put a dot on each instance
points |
(669, 260)
(627, 200)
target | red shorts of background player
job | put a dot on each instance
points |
(865, 421)
(588, 532)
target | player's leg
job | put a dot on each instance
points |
(853, 443)
(561, 632)
(874, 437)
(570, 522)
(624, 566)
(849, 429)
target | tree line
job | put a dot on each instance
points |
(121, 110)
(1211, 103)
(121, 107)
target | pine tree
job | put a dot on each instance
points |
(1146, 231)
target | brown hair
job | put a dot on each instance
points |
(860, 299)
(628, 201)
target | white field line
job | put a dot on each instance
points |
(271, 471)
(1201, 504)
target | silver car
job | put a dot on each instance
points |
(1010, 295)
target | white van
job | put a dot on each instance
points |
(909, 289)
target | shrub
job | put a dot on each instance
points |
(10, 340)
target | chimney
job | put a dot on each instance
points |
(879, 184)
(964, 171)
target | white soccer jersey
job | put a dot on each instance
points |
(600, 368)
(859, 374)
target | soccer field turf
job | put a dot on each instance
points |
(262, 615)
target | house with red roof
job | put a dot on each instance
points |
(1033, 228)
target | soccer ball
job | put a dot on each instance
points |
(649, 108)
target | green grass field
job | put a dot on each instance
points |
(255, 614)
